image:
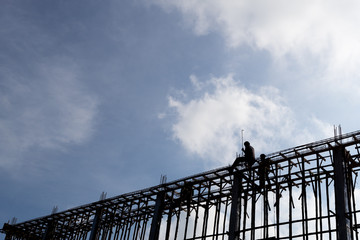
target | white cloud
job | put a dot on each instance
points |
(210, 125)
(315, 33)
(46, 111)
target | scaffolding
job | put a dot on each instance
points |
(305, 192)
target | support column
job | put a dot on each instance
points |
(234, 225)
(96, 224)
(343, 226)
(156, 221)
(49, 232)
(7, 229)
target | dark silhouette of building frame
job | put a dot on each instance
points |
(310, 193)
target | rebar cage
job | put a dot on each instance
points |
(306, 192)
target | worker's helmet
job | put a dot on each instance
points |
(246, 143)
(262, 156)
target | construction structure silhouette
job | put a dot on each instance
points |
(309, 192)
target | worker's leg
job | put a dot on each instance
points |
(238, 161)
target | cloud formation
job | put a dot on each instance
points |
(48, 112)
(210, 124)
(306, 31)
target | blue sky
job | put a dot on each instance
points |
(108, 95)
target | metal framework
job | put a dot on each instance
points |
(306, 192)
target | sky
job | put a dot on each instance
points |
(107, 96)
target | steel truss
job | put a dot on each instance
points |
(307, 192)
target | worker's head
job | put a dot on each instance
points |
(246, 144)
(262, 156)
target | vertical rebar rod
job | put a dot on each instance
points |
(125, 228)
(215, 220)
(129, 229)
(168, 223)
(304, 200)
(206, 217)
(136, 227)
(225, 216)
(186, 222)
(266, 212)
(278, 199)
(320, 195)
(290, 198)
(218, 218)
(328, 205)
(116, 231)
(178, 214)
(144, 226)
(315, 190)
(218, 208)
(123, 225)
(353, 203)
(130, 222)
(197, 210)
(208, 205)
(245, 209)
(253, 204)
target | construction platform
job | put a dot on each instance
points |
(305, 192)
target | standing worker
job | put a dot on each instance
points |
(248, 159)
(264, 169)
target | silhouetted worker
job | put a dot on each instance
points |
(248, 159)
(186, 195)
(264, 168)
